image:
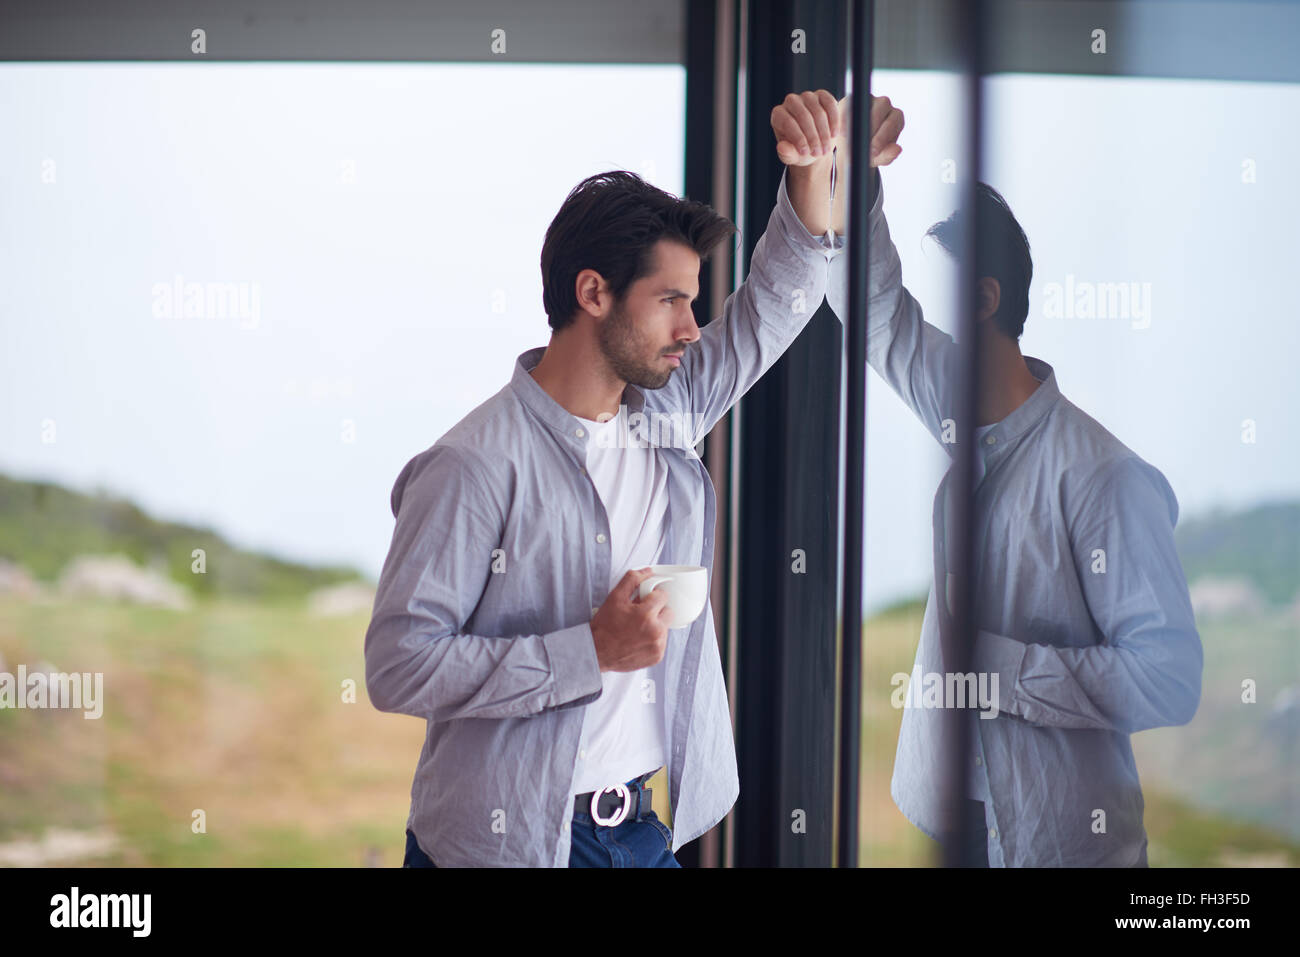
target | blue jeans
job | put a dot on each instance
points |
(644, 843)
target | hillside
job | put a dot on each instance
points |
(44, 526)
(1261, 545)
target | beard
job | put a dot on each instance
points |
(625, 351)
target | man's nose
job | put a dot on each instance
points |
(687, 331)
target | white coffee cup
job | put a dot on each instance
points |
(686, 588)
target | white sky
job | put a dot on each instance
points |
(377, 295)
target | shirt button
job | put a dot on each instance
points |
(993, 833)
(579, 433)
(582, 754)
(978, 760)
(990, 440)
(594, 610)
(600, 538)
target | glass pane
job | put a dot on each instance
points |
(1136, 512)
(1158, 210)
(241, 297)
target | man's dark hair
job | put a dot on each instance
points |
(610, 222)
(1001, 251)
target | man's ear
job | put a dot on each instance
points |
(592, 293)
(988, 294)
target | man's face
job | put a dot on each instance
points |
(654, 320)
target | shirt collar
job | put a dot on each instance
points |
(1005, 433)
(539, 401)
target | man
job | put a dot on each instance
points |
(505, 614)
(1081, 610)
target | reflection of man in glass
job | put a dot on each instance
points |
(1081, 610)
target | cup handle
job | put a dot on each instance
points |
(649, 585)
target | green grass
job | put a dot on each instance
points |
(235, 708)
(1203, 783)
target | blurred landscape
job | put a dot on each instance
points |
(227, 691)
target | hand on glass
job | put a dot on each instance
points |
(808, 125)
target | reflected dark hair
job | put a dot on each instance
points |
(610, 222)
(1001, 251)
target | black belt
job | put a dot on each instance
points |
(613, 809)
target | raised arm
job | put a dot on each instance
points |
(787, 273)
(1147, 671)
(789, 269)
(419, 660)
(914, 357)
(759, 321)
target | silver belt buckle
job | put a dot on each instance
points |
(620, 815)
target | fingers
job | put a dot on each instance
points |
(810, 115)
(886, 156)
(815, 112)
(788, 132)
(628, 589)
(880, 107)
(886, 125)
(831, 107)
(809, 122)
(627, 585)
(634, 632)
(888, 129)
(653, 603)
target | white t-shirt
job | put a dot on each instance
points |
(624, 730)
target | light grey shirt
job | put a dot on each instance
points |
(1081, 606)
(500, 556)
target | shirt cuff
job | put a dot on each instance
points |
(796, 231)
(1002, 656)
(574, 665)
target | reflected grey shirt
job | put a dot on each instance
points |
(501, 555)
(1081, 607)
